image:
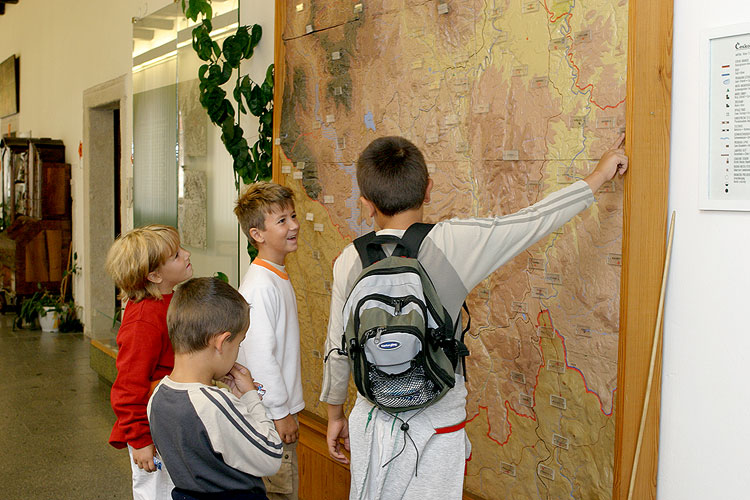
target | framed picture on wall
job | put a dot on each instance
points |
(9, 76)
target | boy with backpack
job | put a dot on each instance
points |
(404, 345)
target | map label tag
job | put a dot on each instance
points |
(358, 8)
(535, 264)
(277, 141)
(538, 292)
(341, 142)
(442, 8)
(553, 278)
(286, 169)
(338, 91)
(583, 36)
(510, 155)
(481, 109)
(328, 199)
(431, 168)
(310, 216)
(330, 118)
(336, 55)
(546, 332)
(316, 125)
(308, 29)
(577, 121)
(605, 122)
(555, 365)
(560, 441)
(534, 187)
(507, 468)
(451, 120)
(565, 175)
(318, 226)
(300, 7)
(518, 377)
(558, 402)
(539, 82)
(546, 472)
(316, 254)
(529, 7)
(301, 165)
(525, 400)
(556, 44)
(520, 70)
(519, 307)
(297, 175)
(614, 259)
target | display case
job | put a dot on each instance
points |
(35, 212)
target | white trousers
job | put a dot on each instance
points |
(155, 485)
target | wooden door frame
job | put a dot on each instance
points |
(645, 204)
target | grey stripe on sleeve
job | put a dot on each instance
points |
(207, 392)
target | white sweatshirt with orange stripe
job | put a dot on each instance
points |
(271, 349)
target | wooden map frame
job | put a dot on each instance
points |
(648, 114)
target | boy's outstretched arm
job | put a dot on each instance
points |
(338, 428)
(612, 162)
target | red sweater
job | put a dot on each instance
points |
(144, 357)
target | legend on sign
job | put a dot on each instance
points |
(726, 134)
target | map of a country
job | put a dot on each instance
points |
(509, 101)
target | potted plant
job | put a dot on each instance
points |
(42, 308)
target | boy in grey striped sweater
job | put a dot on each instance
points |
(216, 443)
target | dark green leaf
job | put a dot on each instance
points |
(255, 34)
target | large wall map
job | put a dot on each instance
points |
(509, 100)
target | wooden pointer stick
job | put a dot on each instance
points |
(654, 347)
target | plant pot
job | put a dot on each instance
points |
(50, 320)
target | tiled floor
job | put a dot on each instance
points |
(55, 419)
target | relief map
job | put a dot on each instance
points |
(509, 100)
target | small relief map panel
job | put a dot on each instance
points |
(509, 101)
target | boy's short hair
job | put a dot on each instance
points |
(392, 174)
(202, 308)
(259, 200)
(137, 253)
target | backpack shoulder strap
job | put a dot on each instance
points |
(369, 247)
(413, 237)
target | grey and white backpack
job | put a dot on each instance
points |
(400, 340)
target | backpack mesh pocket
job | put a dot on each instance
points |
(411, 388)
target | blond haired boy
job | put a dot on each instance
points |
(267, 217)
(216, 442)
(145, 264)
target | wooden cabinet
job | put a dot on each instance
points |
(36, 214)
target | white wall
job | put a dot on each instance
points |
(64, 49)
(705, 420)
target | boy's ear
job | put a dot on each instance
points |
(256, 235)
(219, 340)
(154, 277)
(368, 207)
(427, 190)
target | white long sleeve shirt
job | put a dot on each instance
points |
(271, 349)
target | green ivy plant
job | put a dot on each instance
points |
(250, 163)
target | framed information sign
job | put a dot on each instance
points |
(725, 182)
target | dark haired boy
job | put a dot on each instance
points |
(216, 443)
(457, 254)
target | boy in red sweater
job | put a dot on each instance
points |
(146, 264)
